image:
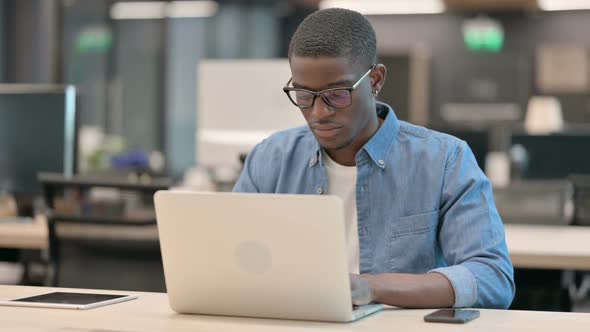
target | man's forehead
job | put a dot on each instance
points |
(318, 73)
(324, 64)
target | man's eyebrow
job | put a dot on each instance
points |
(327, 86)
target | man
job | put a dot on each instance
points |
(422, 227)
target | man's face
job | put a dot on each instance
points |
(335, 128)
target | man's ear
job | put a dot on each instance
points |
(378, 77)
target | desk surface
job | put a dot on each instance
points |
(150, 312)
(549, 247)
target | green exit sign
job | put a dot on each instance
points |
(483, 34)
(94, 39)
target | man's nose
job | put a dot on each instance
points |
(320, 110)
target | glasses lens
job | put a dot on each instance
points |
(301, 98)
(338, 98)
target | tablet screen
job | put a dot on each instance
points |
(69, 298)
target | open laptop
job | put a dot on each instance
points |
(256, 255)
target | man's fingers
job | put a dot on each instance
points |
(361, 296)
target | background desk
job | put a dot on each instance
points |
(530, 246)
(545, 260)
(151, 313)
(549, 247)
(32, 235)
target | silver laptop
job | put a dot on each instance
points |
(256, 255)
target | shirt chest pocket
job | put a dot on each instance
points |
(412, 243)
(415, 224)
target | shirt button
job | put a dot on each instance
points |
(320, 190)
(381, 162)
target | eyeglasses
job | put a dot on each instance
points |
(334, 97)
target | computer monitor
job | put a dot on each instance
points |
(554, 156)
(485, 89)
(477, 139)
(37, 134)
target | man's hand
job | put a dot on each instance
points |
(430, 290)
(360, 290)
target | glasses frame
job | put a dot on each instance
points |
(320, 94)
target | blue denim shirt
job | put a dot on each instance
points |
(423, 204)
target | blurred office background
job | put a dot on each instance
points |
(174, 93)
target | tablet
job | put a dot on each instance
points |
(65, 300)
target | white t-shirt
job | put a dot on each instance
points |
(342, 183)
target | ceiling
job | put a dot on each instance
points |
(491, 5)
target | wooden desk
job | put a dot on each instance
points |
(150, 312)
(549, 247)
(25, 235)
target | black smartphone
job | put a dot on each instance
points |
(458, 316)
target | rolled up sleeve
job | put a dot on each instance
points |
(464, 284)
(471, 236)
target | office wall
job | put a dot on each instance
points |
(187, 44)
(31, 41)
(2, 40)
(441, 35)
(236, 32)
(86, 66)
(139, 82)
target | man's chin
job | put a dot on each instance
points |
(333, 145)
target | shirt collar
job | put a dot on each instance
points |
(379, 146)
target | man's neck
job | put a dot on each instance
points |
(347, 156)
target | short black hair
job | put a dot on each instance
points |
(335, 32)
